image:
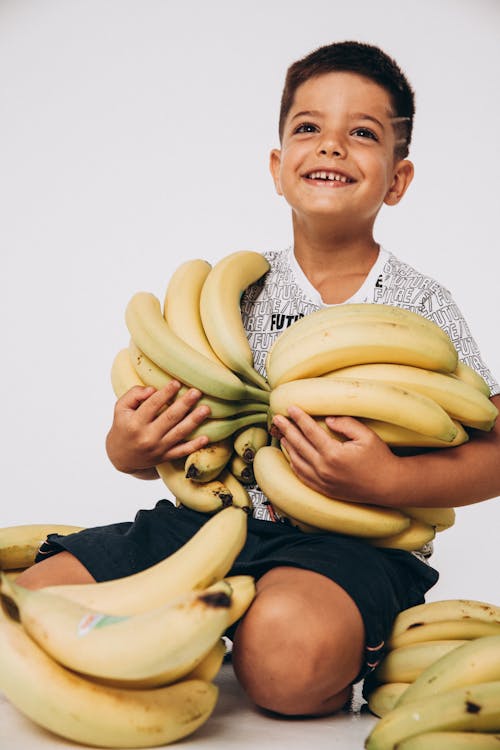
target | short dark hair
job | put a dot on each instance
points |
(366, 60)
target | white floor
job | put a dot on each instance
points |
(234, 723)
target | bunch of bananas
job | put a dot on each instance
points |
(439, 685)
(128, 662)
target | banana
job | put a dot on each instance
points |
(240, 496)
(364, 398)
(208, 669)
(241, 469)
(440, 518)
(330, 317)
(468, 375)
(475, 661)
(464, 629)
(460, 400)
(123, 375)
(181, 306)
(79, 710)
(221, 314)
(151, 374)
(242, 595)
(306, 528)
(451, 741)
(406, 663)
(355, 343)
(201, 561)
(19, 544)
(248, 441)
(205, 497)
(444, 609)
(153, 336)
(219, 429)
(161, 645)
(383, 698)
(283, 487)
(412, 538)
(399, 437)
(470, 708)
(206, 463)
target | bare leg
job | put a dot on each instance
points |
(57, 569)
(300, 645)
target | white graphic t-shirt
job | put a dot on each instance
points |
(285, 294)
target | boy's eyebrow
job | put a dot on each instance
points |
(306, 113)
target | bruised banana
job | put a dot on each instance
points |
(181, 306)
(242, 470)
(240, 496)
(475, 661)
(383, 698)
(153, 336)
(79, 710)
(440, 518)
(354, 343)
(249, 440)
(200, 562)
(331, 317)
(282, 486)
(412, 538)
(19, 544)
(364, 398)
(465, 629)
(444, 609)
(206, 463)
(472, 708)
(405, 664)
(204, 497)
(221, 314)
(451, 741)
(460, 400)
(161, 645)
(150, 374)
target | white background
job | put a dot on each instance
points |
(135, 135)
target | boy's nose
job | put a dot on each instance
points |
(331, 146)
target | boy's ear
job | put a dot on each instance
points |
(403, 175)
(275, 166)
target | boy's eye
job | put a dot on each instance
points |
(365, 133)
(306, 127)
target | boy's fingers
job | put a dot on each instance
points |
(134, 397)
(177, 428)
(182, 450)
(159, 399)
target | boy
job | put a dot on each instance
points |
(325, 602)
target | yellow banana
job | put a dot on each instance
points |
(354, 343)
(399, 437)
(240, 496)
(283, 487)
(208, 669)
(440, 518)
(206, 463)
(79, 710)
(181, 306)
(406, 663)
(19, 544)
(152, 335)
(151, 374)
(200, 562)
(161, 645)
(221, 315)
(242, 595)
(249, 440)
(444, 609)
(465, 373)
(412, 538)
(451, 741)
(460, 400)
(465, 629)
(242, 470)
(123, 375)
(475, 661)
(205, 497)
(219, 429)
(383, 698)
(472, 708)
(364, 398)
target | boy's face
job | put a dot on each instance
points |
(337, 154)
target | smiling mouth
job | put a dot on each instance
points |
(329, 177)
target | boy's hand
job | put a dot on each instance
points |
(360, 469)
(150, 427)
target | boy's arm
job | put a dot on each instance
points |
(151, 426)
(364, 469)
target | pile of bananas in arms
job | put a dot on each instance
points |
(393, 369)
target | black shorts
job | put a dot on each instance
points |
(381, 582)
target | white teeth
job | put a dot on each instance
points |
(329, 176)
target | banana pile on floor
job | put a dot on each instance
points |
(128, 662)
(438, 687)
(395, 370)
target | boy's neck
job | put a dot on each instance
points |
(336, 264)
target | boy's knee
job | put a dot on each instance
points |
(58, 569)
